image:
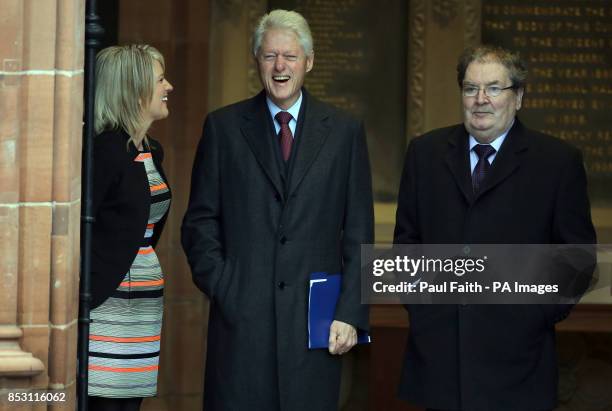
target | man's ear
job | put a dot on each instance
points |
(309, 61)
(519, 98)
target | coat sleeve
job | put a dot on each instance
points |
(572, 267)
(201, 234)
(572, 219)
(358, 229)
(406, 228)
(107, 175)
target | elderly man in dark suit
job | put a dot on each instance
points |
(281, 188)
(489, 180)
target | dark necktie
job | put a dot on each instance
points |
(285, 136)
(484, 151)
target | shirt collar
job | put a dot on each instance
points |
(496, 144)
(294, 110)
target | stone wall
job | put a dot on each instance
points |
(41, 104)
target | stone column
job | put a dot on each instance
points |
(41, 95)
(14, 361)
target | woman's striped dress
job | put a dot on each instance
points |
(124, 335)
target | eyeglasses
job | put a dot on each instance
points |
(490, 91)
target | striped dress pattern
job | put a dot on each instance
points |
(125, 330)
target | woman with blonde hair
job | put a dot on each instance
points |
(130, 205)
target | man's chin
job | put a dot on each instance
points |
(479, 127)
(482, 134)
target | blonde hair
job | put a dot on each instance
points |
(124, 87)
(285, 20)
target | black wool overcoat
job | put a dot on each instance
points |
(488, 357)
(253, 233)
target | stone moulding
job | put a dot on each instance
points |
(416, 69)
(472, 10)
(444, 12)
(14, 362)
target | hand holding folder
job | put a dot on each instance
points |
(322, 300)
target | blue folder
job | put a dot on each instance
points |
(322, 300)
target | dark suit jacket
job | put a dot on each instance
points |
(121, 202)
(253, 239)
(488, 357)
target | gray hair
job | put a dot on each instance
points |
(284, 20)
(124, 85)
(512, 61)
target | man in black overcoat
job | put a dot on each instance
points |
(281, 188)
(531, 190)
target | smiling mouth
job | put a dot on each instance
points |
(281, 79)
(164, 98)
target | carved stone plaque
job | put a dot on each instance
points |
(568, 48)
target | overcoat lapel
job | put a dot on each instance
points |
(314, 132)
(255, 130)
(458, 162)
(508, 160)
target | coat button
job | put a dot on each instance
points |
(283, 240)
(277, 197)
(281, 285)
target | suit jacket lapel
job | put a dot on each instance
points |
(255, 131)
(458, 161)
(508, 160)
(314, 132)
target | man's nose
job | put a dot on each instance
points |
(279, 64)
(481, 97)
